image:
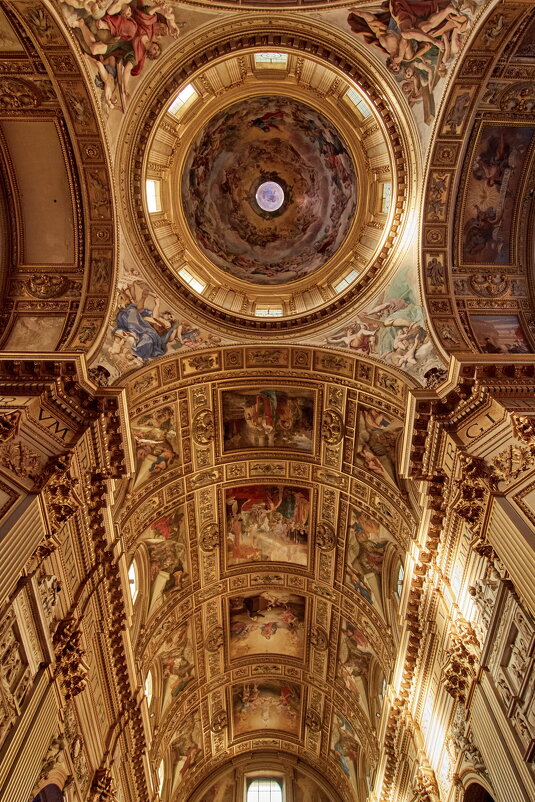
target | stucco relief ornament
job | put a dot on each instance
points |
(460, 667)
(60, 494)
(318, 638)
(219, 721)
(214, 640)
(70, 657)
(209, 537)
(19, 459)
(43, 285)
(325, 537)
(435, 377)
(425, 785)
(9, 425)
(313, 720)
(472, 490)
(57, 745)
(489, 285)
(523, 428)
(513, 461)
(519, 98)
(102, 787)
(203, 428)
(332, 428)
(18, 94)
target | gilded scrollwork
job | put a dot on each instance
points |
(332, 427)
(210, 537)
(325, 536)
(203, 427)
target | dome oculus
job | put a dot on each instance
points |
(303, 184)
(270, 196)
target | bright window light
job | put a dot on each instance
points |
(358, 101)
(265, 789)
(161, 776)
(346, 281)
(268, 311)
(386, 198)
(193, 282)
(152, 191)
(185, 96)
(132, 581)
(277, 60)
(148, 687)
(399, 583)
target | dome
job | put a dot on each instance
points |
(269, 190)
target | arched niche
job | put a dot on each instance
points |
(50, 793)
(476, 793)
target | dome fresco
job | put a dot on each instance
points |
(268, 142)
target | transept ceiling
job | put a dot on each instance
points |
(266, 357)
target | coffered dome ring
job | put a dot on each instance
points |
(156, 145)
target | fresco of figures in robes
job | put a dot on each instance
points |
(377, 438)
(176, 658)
(270, 622)
(268, 418)
(495, 175)
(500, 334)
(145, 327)
(165, 541)
(266, 705)
(354, 658)
(267, 523)
(156, 443)
(186, 750)
(367, 542)
(119, 40)
(393, 327)
(345, 747)
(419, 42)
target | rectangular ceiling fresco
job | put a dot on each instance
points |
(269, 622)
(266, 523)
(268, 704)
(268, 418)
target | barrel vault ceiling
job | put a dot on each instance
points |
(266, 515)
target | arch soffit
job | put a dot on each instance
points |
(475, 260)
(61, 303)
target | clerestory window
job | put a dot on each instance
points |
(265, 789)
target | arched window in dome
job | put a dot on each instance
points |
(148, 687)
(133, 581)
(265, 789)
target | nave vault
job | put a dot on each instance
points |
(267, 438)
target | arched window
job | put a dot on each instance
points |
(399, 582)
(161, 776)
(148, 687)
(264, 789)
(133, 581)
(382, 691)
